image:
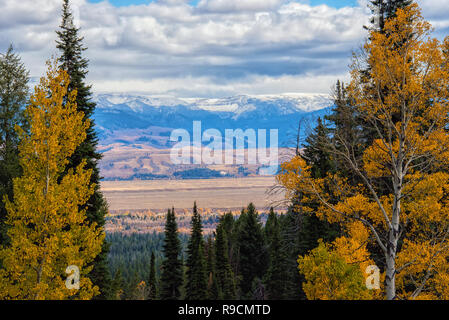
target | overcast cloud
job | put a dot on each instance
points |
(214, 49)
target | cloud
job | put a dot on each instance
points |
(202, 87)
(231, 6)
(219, 47)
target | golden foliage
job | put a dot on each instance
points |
(405, 99)
(329, 277)
(48, 232)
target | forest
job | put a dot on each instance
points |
(367, 192)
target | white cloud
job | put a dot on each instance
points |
(190, 87)
(220, 47)
(239, 5)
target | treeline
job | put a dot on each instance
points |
(130, 258)
(242, 259)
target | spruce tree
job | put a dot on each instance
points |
(315, 152)
(225, 276)
(383, 10)
(346, 128)
(152, 285)
(299, 233)
(289, 235)
(172, 268)
(275, 277)
(270, 226)
(213, 292)
(70, 44)
(309, 227)
(230, 228)
(252, 251)
(13, 97)
(196, 286)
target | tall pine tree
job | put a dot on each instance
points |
(172, 273)
(252, 252)
(13, 97)
(275, 278)
(196, 286)
(384, 9)
(212, 284)
(230, 228)
(270, 227)
(314, 152)
(225, 276)
(70, 44)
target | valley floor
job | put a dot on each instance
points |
(223, 193)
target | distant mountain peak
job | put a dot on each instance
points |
(135, 129)
(285, 103)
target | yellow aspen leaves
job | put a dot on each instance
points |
(400, 206)
(329, 277)
(47, 229)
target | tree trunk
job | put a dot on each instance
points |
(390, 276)
(393, 239)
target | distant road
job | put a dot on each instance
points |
(223, 193)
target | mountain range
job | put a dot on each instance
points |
(149, 120)
(134, 130)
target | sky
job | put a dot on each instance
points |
(203, 48)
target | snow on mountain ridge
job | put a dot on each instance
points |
(286, 103)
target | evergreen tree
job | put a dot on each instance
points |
(225, 276)
(213, 292)
(196, 286)
(253, 256)
(308, 226)
(230, 228)
(270, 226)
(385, 9)
(290, 226)
(276, 273)
(71, 60)
(172, 268)
(347, 129)
(271, 231)
(152, 285)
(315, 152)
(299, 229)
(13, 97)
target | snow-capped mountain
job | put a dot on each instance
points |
(132, 119)
(288, 103)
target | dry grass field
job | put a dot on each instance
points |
(124, 161)
(223, 193)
